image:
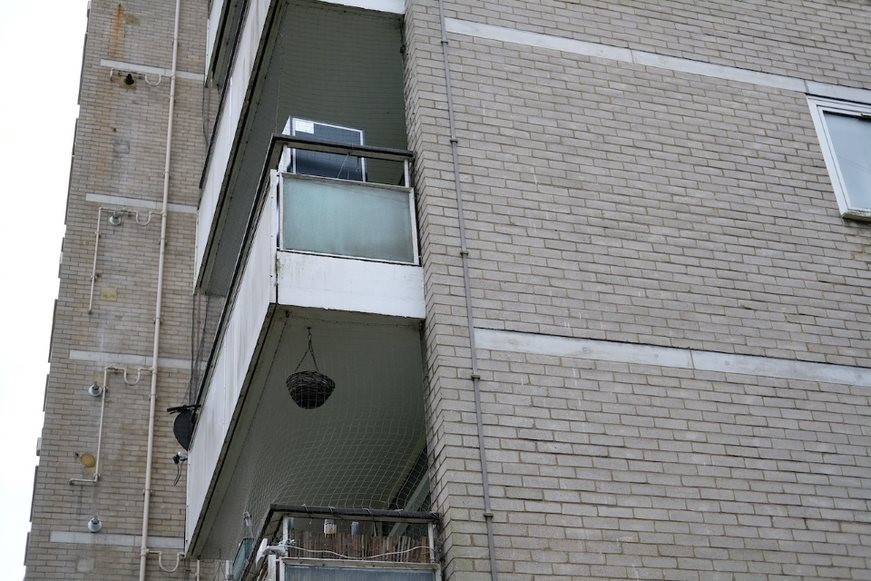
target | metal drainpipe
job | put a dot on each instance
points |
(470, 320)
(143, 553)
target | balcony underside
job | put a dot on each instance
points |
(362, 448)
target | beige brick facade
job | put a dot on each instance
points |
(118, 164)
(700, 406)
(635, 204)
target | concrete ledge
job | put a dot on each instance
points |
(677, 64)
(115, 540)
(671, 357)
(105, 358)
(391, 6)
(123, 201)
(149, 70)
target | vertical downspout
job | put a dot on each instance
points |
(470, 320)
(143, 553)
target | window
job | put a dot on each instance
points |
(844, 130)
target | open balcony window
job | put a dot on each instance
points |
(844, 130)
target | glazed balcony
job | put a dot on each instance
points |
(336, 62)
(337, 258)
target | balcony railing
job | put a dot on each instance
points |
(320, 543)
(347, 218)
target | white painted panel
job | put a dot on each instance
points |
(231, 109)
(231, 366)
(392, 6)
(346, 284)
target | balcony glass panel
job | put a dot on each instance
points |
(345, 218)
(327, 573)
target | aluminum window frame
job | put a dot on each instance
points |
(819, 107)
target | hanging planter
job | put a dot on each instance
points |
(309, 388)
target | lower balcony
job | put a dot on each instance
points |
(328, 282)
(325, 544)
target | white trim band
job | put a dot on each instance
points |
(148, 70)
(115, 540)
(390, 6)
(137, 203)
(670, 357)
(104, 358)
(650, 59)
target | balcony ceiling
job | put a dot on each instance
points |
(327, 63)
(354, 451)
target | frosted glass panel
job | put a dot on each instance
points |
(851, 141)
(327, 573)
(348, 219)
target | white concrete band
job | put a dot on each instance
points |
(676, 64)
(149, 70)
(127, 359)
(115, 540)
(671, 357)
(125, 202)
(391, 6)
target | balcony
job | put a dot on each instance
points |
(311, 543)
(328, 279)
(338, 61)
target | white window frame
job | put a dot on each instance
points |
(819, 106)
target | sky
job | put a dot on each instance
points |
(40, 53)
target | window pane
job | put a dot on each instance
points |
(851, 141)
(347, 219)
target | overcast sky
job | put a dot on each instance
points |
(41, 47)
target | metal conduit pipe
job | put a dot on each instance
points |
(149, 455)
(470, 319)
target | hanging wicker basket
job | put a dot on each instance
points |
(310, 389)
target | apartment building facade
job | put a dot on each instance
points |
(465, 290)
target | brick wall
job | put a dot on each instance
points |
(119, 151)
(634, 204)
(638, 205)
(819, 40)
(612, 470)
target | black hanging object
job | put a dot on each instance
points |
(309, 389)
(183, 426)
